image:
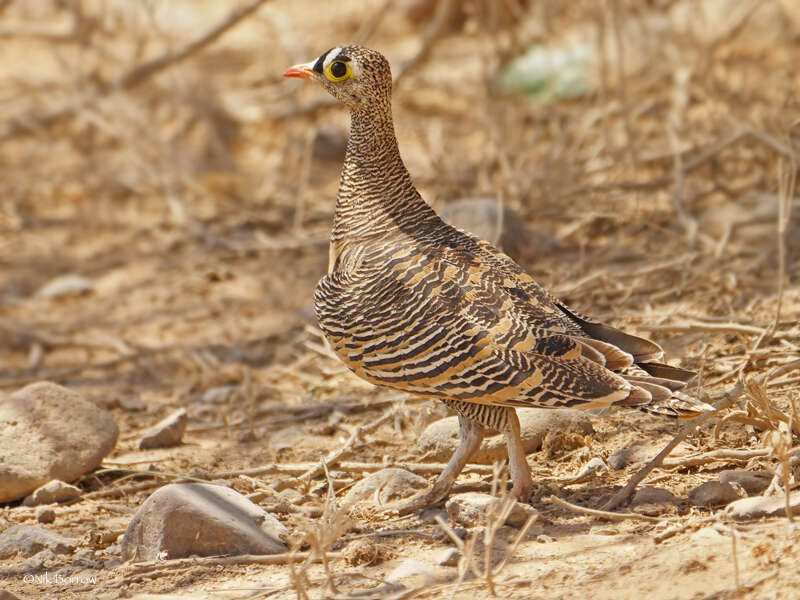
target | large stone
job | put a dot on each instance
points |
(27, 540)
(50, 432)
(182, 519)
(470, 509)
(752, 482)
(491, 220)
(653, 495)
(760, 506)
(384, 486)
(440, 438)
(165, 433)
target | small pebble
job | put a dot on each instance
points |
(448, 557)
(45, 514)
(167, 432)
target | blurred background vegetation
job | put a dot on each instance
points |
(164, 190)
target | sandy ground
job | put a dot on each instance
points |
(198, 202)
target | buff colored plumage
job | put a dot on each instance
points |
(411, 303)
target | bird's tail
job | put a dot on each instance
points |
(657, 390)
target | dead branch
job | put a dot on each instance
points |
(713, 456)
(347, 449)
(351, 467)
(224, 561)
(697, 327)
(603, 514)
(622, 495)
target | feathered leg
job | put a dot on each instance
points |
(517, 464)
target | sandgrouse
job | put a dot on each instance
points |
(414, 304)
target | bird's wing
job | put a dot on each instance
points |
(439, 326)
(619, 347)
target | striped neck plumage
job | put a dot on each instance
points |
(376, 194)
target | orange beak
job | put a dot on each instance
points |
(304, 71)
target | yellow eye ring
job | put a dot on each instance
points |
(338, 70)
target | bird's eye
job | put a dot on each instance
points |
(338, 70)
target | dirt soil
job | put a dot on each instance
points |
(196, 201)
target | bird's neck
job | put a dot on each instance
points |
(376, 195)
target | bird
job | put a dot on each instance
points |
(412, 303)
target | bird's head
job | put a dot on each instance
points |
(358, 77)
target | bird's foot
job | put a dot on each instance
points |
(426, 499)
(523, 490)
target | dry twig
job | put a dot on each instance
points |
(603, 514)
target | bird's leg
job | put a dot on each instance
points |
(470, 435)
(517, 464)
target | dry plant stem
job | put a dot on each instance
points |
(704, 328)
(616, 22)
(242, 559)
(350, 467)
(715, 455)
(622, 495)
(681, 527)
(30, 124)
(603, 514)
(786, 185)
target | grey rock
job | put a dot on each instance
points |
(65, 285)
(543, 538)
(182, 519)
(27, 540)
(713, 493)
(38, 561)
(49, 432)
(440, 438)
(86, 558)
(653, 495)
(51, 492)
(760, 506)
(470, 509)
(167, 432)
(45, 514)
(384, 486)
(753, 482)
(625, 457)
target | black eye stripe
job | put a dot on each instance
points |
(318, 65)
